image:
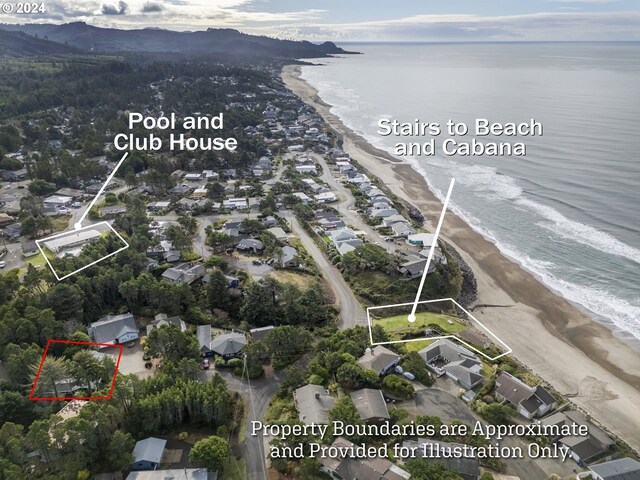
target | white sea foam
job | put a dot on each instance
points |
(581, 233)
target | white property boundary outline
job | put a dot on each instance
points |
(370, 323)
(74, 231)
(78, 226)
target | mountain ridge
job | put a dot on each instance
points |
(89, 38)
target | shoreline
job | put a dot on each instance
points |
(577, 355)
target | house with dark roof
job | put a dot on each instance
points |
(184, 273)
(203, 332)
(228, 345)
(447, 358)
(467, 466)
(369, 468)
(114, 329)
(581, 448)
(250, 245)
(147, 454)
(620, 469)
(313, 403)
(370, 405)
(529, 402)
(378, 358)
(260, 333)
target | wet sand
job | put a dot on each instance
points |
(565, 346)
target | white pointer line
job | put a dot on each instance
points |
(412, 315)
(78, 224)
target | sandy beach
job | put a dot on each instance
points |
(576, 355)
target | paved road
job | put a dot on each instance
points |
(351, 312)
(256, 398)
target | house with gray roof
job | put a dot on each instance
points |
(288, 258)
(370, 405)
(260, 333)
(378, 358)
(369, 468)
(313, 403)
(184, 273)
(203, 332)
(448, 358)
(529, 402)
(620, 469)
(114, 329)
(147, 453)
(581, 448)
(250, 245)
(228, 345)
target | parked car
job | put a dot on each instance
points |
(257, 262)
(63, 210)
(2, 264)
(205, 364)
(409, 376)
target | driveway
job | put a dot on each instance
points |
(431, 401)
(131, 361)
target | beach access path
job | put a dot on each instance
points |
(563, 344)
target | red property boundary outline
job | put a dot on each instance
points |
(69, 342)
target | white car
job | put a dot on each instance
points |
(3, 264)
(63, 210)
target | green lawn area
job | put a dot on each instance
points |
(37, 261)
(399, 324)
(417, 345)
(234, 469)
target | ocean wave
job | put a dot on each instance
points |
(580, 232)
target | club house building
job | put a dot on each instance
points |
(72, 243)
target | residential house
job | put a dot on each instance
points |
(57, 201)
(147, 453)
(308, 169)
(279, 233)
(163, 319)
(370, 405)
(288, 258)
(402, 229)
(414, 268)
(203, 332)
(71, 243)
(379, 358)
(228, 345)
(467, 466)
(344, 467)
(200, 192)
(114, 329)
(260, 333)
(423, 240)
(620, 469)
(184, 273)
(112, 211)
(388, 221)
(12, 231)
(581, 448)
(250, 245)
(384, 212)
(29, 249)
(6, 219)
(180, 190)
(193, 177)
(174, 474)
(529, 402)
(447, 358)
(326, 197)
(304, 198)
(157, 206)
(269, 221)
(15, 175)
(313, 403)
(235, 204)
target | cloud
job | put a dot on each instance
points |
(456, 27)
(119, 9)
(151, 7)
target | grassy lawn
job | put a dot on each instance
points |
(398, 325)
(287, 276)
(234, 469)
(37, 261)
(418, 345)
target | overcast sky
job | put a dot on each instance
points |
(364, 20)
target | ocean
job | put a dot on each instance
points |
(568, 211)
